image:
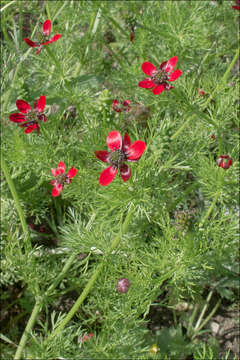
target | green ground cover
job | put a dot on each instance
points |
(171, 229)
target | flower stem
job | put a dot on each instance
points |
(207, 319)
(224, 79)
(218, 87)
(203, 311)
(27, 240)
(66, 84)
(38, 306)
(30, 324)
(209, 210)
(94, 277)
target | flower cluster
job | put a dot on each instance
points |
(28, 117)
(121, 150)
(61, 178)
(44, 37)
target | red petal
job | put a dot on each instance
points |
(47, 27)
(54, 38)
(163, 64)
(126, 143)
(61, 167)
(146, 84)
(126, 102)
(53, 182)
(57, 190)
(175, 75)
(41, 103)
(148, 68)
(115, 107)
(102, 155)
(23, 106)
(30, 42)
(125, 172)
(170, 65)
(236, 7)
(39, 49)
(107, 175)
(31, 128)
(158, 89)
(17, 118)
(54, 172)
(71, 173)
(42, 117)
(136, 150)
(114, 140)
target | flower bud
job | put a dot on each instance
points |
(123, 285)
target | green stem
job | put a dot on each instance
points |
(194, 313)
(225, 76)
(38, 306)
(27, 240)
(196, 327)
(207, 318)
(66, 84)
(11, 88)
(182, 127)
(61, 275)
(94, 277)
(31, 322)
(224, 79)
(210, 209)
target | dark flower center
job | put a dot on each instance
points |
(117, 157)
(159, 77)
(63, 179)
(41, 38)
(34, 116)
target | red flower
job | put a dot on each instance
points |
(123, 285)
(28, 116)
(121, 151)
(124, 106)
(61, 178)
(201, 92)
(237, 6)
(44, 37)
(87, 337)
(158, 78)
(225, 161)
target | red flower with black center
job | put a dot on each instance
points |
(237, 6)
(30, 117)
(124, 106)
(44, 37)
(61, 178)
(120, 151)
(225, 161)
(158, 78)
